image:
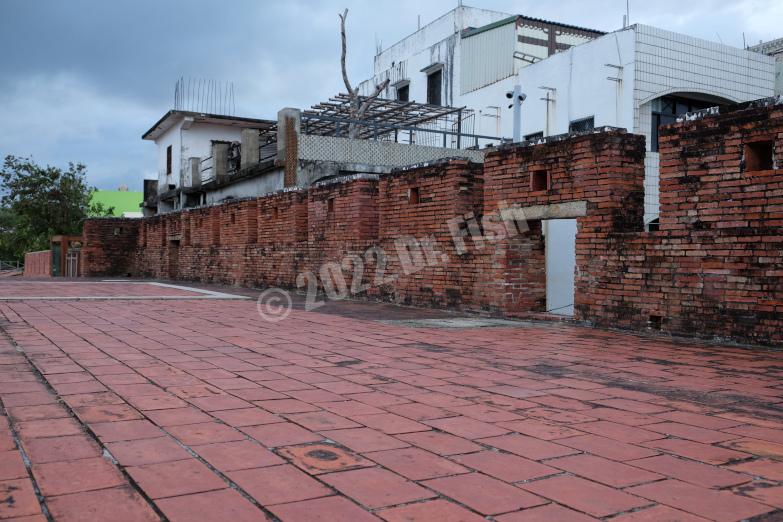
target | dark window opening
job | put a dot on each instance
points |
(654, 225)
(583, 125)
(669, 109)
(403, 92)
(274, 213)
(759, 155)
(539, 180)
(655, 322)
(534, 136)
(330, 205)
(434, 84)
(233, 219)
(168, 160)
(413, 196)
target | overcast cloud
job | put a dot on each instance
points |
(82, 80)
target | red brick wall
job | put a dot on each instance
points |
(713, 268)
(38, 264)
(109, 246)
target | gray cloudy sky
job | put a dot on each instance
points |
(81, 80)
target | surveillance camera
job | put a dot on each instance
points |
(509, 94)
(522, 97)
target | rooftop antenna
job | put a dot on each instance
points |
(744, 45)
(418, 24)
(627, 12)
(202, 95)
(718, 35)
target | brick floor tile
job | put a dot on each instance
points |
(219, 402)
(44, 411)
(559, 416)
(693, 433)
(505, 466)
(48, 428)
(28, 399)
(761, 448)
(584, 495)
(116, 504)
(278, 484)
(74, 476)
(416, 464)
(286, 406)
(146, 451)
(257, 394)
(375, 487)
(419, 412)
(314, 396)
(55, 449)
(528, 447)
(125, 430)
(756, 432)
(364, 439)
(621, 432)
(107, 413)
(697, 419)
(17, 498)
(486, 413)
(440, 443)
(379, 399)
(93, 399)
(624, 417)
(690, 471)
(350, 408)
(326, 509)
(604, 470)
(281, 434)
(438, 510)
(632, 406)
(204, 433)
(236, 455)
(769, 494)
(696, 450)
(247, 417)
(707, 503)
(321, 420)
(169, 479)
(609, 448)
(72, 388)
(211, 506)
(484, 494)
(11, 465)
(547, 513)
(156, 402)
(467, 427)
(766, 468)
(177, 416)
(540, 429)
(658, 513)
(391, 424)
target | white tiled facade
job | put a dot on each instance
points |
(669, 63)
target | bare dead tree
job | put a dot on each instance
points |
(358, 106)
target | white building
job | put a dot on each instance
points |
(773, 48)
(182, 135)
(574, 78)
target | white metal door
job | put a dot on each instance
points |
(560, 265)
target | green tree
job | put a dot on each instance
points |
(39, 202)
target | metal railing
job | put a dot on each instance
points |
(11, 266)
(436, 135)
(207, 169)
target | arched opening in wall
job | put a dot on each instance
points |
(560, 256)
(173, 260)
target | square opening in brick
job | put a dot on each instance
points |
(759, 155)
(233, 219)
(274, 213)
(413, 195)
(539, 180)
(330, 205)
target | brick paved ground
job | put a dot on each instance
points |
(196, 410)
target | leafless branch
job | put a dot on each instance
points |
(368, 101)
(344, 52)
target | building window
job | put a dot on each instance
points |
(413, 195)
(759, 155)
(666, 110)
(583, 125)
(330, 206)
(434, 87)
(534, 136)
(403, 92)
(539, 181)
(168, 160)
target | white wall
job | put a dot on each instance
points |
(171, 138)
(579, 76)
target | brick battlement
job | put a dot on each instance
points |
(712, 269)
